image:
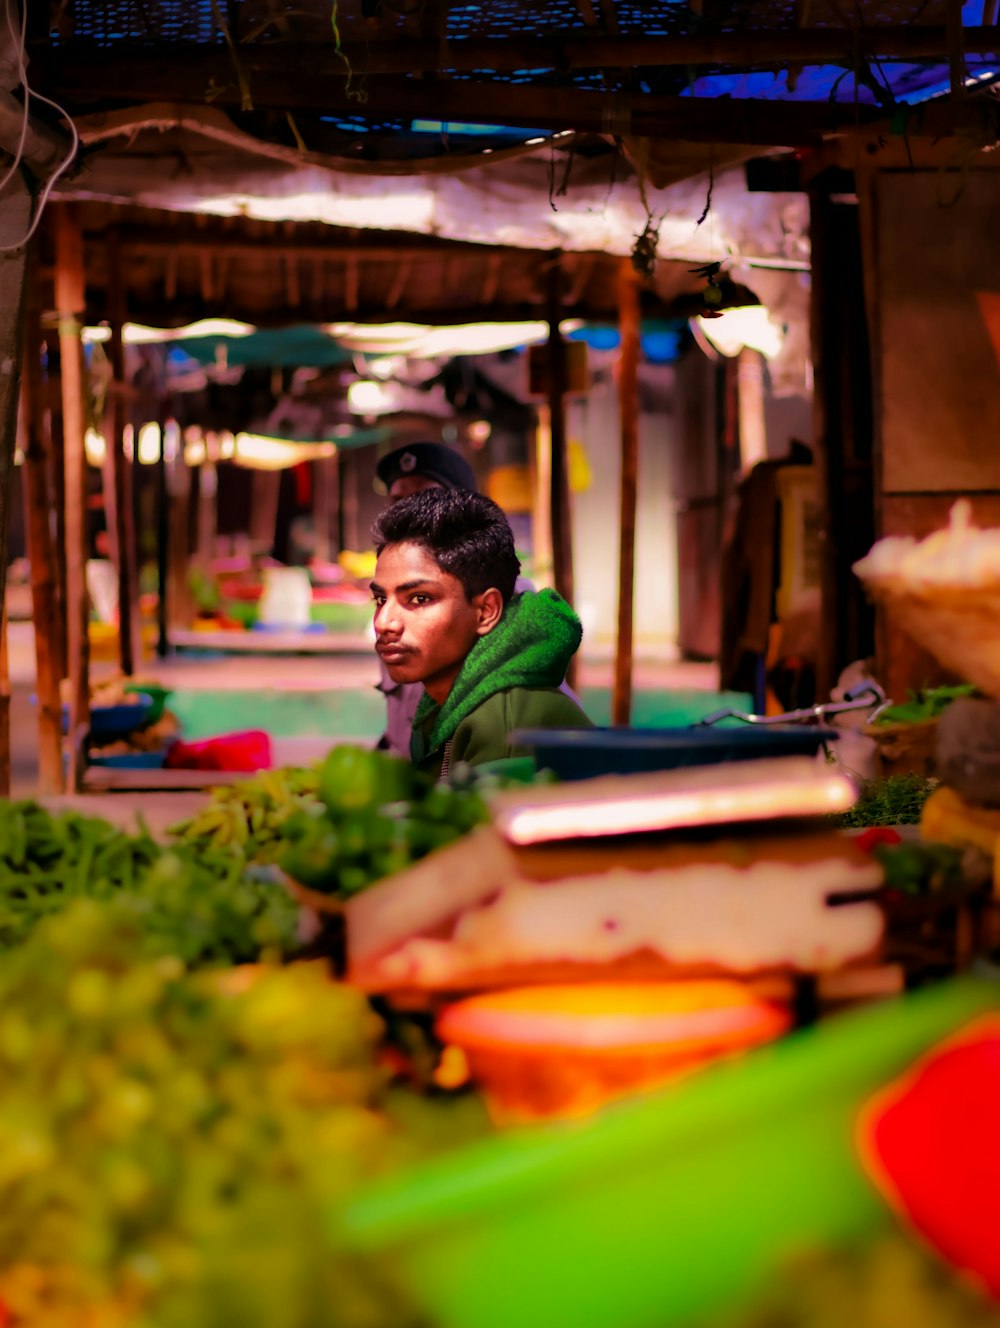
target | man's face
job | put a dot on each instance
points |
(403, 485)
(424, 624)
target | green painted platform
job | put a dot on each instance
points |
(360, 712)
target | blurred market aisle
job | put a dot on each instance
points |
(308, 702)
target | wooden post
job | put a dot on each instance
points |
(844, 432)
(750, 392)
(162, 551)
(541, 524)
(266, 490)
(956, 49)
(179, 487)
(4, 708)
(628, 402)
(70, 303)
(15, 215)
(123, 543)
(208, 516)
(38, 499)
(350, 502)
(562, 533)
(57, 487)
(326, 504)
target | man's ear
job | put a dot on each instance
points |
(489, 606)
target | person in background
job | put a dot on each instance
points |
(406, 471)
(488, 660)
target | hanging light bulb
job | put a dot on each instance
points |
(95, 446)
(149, 444)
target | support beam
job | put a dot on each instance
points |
(57, 483)
(628, 402)
(79, 67)
(208, 513)
(956, 49)
(15, 218)
(694, 120)
(843, 430)
(750, 394)
(5, 762)
(326, 507)
(70, 303)
(562, 527)
(162, 550)
(129, 635)
(38, 504)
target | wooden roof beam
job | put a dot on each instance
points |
(79, 61)
(156, 241)
(693, 120)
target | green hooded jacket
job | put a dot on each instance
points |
(511, 679)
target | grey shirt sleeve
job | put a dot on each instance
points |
(401, 701)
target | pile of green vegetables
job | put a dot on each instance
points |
(374, 815)
(889, 1279)
(201, 905)
(175, 1147)
(921, 707)
(336, 827)
(895, 800)
(248, 818)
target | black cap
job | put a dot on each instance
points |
(431, 460)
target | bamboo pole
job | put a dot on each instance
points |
(541, 526)
(179, 487)
(326, 503)
(208, 513)
(70, 303)
(57, 488)
(628, 402)
(123, 543)
(162, 552)
(15, 213)
(562, 533)
(4, 708)
(750, 393)
(38, 499)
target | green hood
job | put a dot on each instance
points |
(531, 646)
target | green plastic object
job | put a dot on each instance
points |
(666, 1208)
(157, 694)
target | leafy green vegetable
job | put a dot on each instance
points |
(176, 1147)
(918, 868)
(193, 901)
(376, 816)
(889, 1279)
(923, 706)
(895, 800)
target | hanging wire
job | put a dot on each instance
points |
(20, 41)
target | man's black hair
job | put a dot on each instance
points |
(465, 533)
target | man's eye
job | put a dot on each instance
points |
(379, 600)
(420, 599)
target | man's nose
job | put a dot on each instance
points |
(387, 621)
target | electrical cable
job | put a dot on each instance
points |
(29, 93)
(22, 77)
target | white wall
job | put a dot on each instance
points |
(594, 422)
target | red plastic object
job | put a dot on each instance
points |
(873, 838)
(244, 752)
(931, 1144)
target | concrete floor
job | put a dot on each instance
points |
(250, 674)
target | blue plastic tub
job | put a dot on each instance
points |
(131, 761)
(110, 722)
(587, 753)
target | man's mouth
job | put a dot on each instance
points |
(393, 654)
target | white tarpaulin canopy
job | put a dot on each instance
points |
(196, 160)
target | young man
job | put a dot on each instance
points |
(403, 472)
(447, 616)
